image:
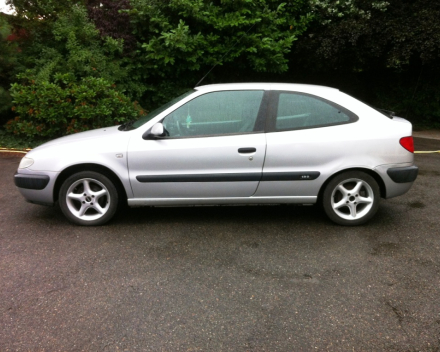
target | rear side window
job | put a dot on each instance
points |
(300, 111)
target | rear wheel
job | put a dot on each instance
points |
(88, 198)
(351, 198)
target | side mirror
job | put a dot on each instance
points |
(155, 132)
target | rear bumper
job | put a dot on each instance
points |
(403, 174)
(398, 178)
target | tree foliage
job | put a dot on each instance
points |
(75, 46)
(376, 34)
(389, 52)
(182, 39)
(111, 20)
(201, 32)
(152, 50)
(65, 105)
(37, 10)
(8, 60)
(65, 57)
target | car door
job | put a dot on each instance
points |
(307, 137)
(215, 148)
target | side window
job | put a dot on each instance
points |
(215, 113)
(299, 111)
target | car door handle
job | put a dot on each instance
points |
(247, 150)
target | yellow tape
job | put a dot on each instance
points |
(12, 151)
(22, 149)
(428, 152)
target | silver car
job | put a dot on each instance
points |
(256, 143)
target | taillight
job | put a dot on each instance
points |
(407, 143)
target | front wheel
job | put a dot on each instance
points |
(351, 198)
(88, 198)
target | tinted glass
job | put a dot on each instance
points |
(156, 112)
(215, 113)
(297, 111)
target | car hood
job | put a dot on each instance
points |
(96, 146)
(108, 132)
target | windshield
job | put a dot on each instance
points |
(156, 112)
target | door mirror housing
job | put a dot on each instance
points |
(157, 131)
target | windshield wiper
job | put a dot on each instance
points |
(126, 126)
(388, 113)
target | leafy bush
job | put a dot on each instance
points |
(70, 43)
(181, 40)
(63, 106)
(9, 140)
(418, 101)
(8, 58)
(154, 50)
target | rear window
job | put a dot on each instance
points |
(301, 111)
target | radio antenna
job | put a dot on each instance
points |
(232, 47)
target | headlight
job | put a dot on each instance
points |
(25, 162)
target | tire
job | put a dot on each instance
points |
(88, 198)
(351, 198)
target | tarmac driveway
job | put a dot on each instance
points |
(269, 278)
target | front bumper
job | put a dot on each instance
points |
(36, 188)
(37, 182)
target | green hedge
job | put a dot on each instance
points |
(64, 106)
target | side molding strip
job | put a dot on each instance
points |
(200, 178)
(290, 176)
(267, 176)
(139, 202)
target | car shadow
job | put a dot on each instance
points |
(226, 214)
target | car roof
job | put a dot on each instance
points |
(306, 88)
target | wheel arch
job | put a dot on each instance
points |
(375, 175)
(66, 173)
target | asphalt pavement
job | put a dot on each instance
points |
(259, 278)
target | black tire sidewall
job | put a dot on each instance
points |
(113, 194)
(326, 199)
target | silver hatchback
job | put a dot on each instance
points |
(256, 143)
